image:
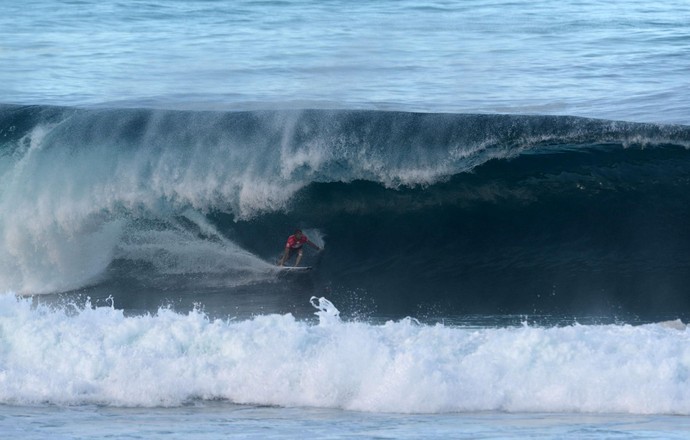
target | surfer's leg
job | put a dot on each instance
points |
(299, 257)
(286, 255)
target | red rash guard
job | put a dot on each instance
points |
(294, 243)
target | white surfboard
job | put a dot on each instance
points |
(294, 269)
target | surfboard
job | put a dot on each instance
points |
(294, 269)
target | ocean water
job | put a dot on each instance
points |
(500, 189)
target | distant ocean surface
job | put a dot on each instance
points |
(585, 58)
(501, 191)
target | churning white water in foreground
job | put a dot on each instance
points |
(88, 355)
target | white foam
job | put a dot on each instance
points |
(96, 355)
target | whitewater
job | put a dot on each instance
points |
(97, 355)
(501, 191)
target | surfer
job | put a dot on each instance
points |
(294, 245)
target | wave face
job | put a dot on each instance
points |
(448, 213)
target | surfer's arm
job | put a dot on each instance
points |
(313, 245)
